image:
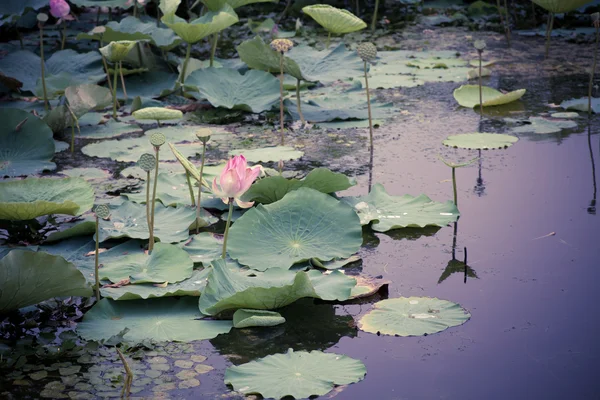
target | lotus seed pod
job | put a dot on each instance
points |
(367, 51)
(41, 17)
(282, 45)
(147, 162)
(157, 139)
(479, 45)
(102, 211)
(204, 135)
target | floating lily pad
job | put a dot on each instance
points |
(255, 91)
(468, 96)
(110, 129)
(176, 133)
(565, 115)
(244, 318)
(26, 145)
(171, 224)
(130, 150)
(304, 224)
(34, 197)
(203, 248)
(161, 320)
(333, 19)
(480, 141)
(392, 212)
(268, 154)
(541, 125)
(299, 374)
(581, 104)
(413, 316)
(28, 277)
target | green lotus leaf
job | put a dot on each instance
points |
(267, 154)
(565, 115)
(188, 287)
(203, 248)
(413, 316)
(198, 29)
(230, 288)
(468, 96)
(274, 188)
(259, 55)
(166, 263)
(299, 374)
(118, 50)
(176, 133)
(148, 85)
(33, 197)
(255, 91)
(17, 7)
(304, 224)
(560, 6)
(333, 19)
(160, 320)
(27, 278)
(244, 318)
(581, 104)
(480, 141)
(157, 114)
(109, 129)
(130, 150)
(171, 224)
(326, 66)
(392, 212)
(66, 230)
(171, 189)
(26, 145)
(86, 97)
(541, 125)
(100, 3)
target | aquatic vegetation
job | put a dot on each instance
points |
(147, 163)
(282, 46)
(454, 166)
(116, 52)
(243, 318)
(368, 52)
(334, 20)
(480, 141)
(60, 9)
(101, 211)
(203, 136)
(480, 46)
(43, 18)
(468, 96)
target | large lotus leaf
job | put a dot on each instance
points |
(166, 263)
(17, 7)
(480, 141)
(392, 212)
(86, 97)
(333, 19)
(100, 3)
(160, 320)
(299, 374)
(259, 55)
(267, 154)
(69, 229)
(581, 104)
(148, 85)
(189, 287)
(541, 125)
(254, 91)
(560, 6)
(33, 197)
(327, 65)
(413, 316)
(232, 289)
(304, 224)
(130, 150)
(274, 188)
(129, 220)
(171, 189)
(468, 96)
(26, 145)
(28, 277)
(198, 29)
(131, 28)
(203, 248)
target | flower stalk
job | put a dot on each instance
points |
(103, 212)
(596, 23)
(41, 19)
(204, 138)
(227, 224)
(281, 46)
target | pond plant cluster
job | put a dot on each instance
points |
(192, 249)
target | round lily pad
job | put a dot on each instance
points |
(299, 374)
(268, 154)
(480, 141)
(468, 96)
(413, 316)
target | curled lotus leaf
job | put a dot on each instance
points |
(147, 162)
(244, 318)
(157, 114)
(480, 141)
(157, 139)
(468, 96)
(198, 29)
(118, 50)
(333, 19)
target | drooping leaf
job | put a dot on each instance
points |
(267, 154)
(198, 29)
(304, 224)
(33, 197)
(244, 318)
(161, 320)
(333, 19)
(413, 316)
(259, 55)
(26, 145)
(392, 212)
(28, 277)
(468, 96)
(480, 141)
(86, 97)
(299, 374)
(255, 91)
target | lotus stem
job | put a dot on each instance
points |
(110, 13)
(122, 79)
(200, 188)
(135, 8)
(454, 186)
(151, 244)
(357, 12)
(96, 266)
(507, 26)
(148, 204)
(64, 35)
(158, 122)
(533, 14)
(108, 80)
(20, 39)
(369, 108)
(502, 21)
(213, 48)
(328, 40)
(374, 21)
(115, 101)
(157, 17)
(129, 375)
(189, 182)
(281, 96)
(298, 102)
(98, 15)
(224, 254)
(46, 103)
(480, 85)
(549, 33)
(188, 53)
(597, 25)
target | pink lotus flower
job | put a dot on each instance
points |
(59, 9)
(235, 180)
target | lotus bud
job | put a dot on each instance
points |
(203, 135)
(282, 45)
(367, 51)
(147, 162)
(102, 211)
(157, 139)
(479, 45)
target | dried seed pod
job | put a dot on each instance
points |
(479, 45)
(102, 211)
(367, 51)
(147, 162)
(157, 139)
(282, 45)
